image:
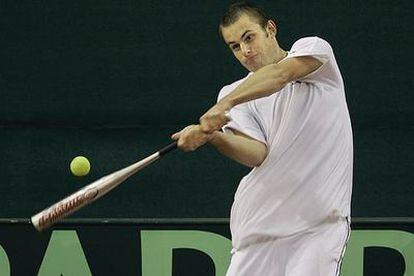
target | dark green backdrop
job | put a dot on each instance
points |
(111, 80)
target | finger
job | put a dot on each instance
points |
(176, 136)
(227, 115)
(209, 127)
(204, 125)
(180, 144)
(205, 128)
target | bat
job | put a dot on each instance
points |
(93, 191)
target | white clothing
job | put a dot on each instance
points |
(314, 252)
(306, 179)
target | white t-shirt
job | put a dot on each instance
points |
(306, 179)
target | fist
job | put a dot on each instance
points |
(215, 118)
(191, 138)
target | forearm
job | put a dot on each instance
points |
(243, 150)
(271, 79)
(262, 83)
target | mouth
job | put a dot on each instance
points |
(250, 59)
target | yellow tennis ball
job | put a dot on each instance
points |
(80, 166)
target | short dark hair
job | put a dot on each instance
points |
(234, 11)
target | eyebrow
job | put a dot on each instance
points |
(232, 42)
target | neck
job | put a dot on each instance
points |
(279, 55)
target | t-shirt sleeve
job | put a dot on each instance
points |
(311, 46)
(321, 50)
(243, 120)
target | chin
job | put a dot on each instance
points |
(253, 68)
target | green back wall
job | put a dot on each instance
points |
(112, 80)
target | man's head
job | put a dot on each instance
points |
(250, 34)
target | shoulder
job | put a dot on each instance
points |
(312, 46)
(328, 72)
(310, 41)
(227, 89)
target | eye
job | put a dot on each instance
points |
(249, 38)
(235, 47)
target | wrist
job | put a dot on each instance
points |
(227, 103)
(214, 136)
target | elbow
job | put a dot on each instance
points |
(259, 158)
(255, 164)
(259, 162)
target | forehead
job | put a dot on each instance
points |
(234, 31)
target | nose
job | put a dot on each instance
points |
(246, 51)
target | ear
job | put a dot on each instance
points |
(271, 28)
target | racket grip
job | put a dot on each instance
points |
(167, 148)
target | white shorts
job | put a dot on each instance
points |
(315, 252)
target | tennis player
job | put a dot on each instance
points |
(288, 120)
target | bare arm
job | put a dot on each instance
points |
(239, 147)
(272, 78)
(262, 83)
